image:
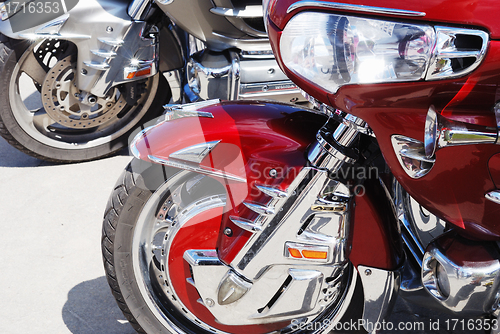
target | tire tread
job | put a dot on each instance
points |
(113, 209)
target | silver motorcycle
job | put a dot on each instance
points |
(77, 77)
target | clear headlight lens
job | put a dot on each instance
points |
(333, 50)
(4, 14)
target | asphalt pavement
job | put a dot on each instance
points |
(51, 275)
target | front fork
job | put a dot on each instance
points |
(333, 151)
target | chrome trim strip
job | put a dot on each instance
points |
(272, 191)
(54, 26)
(195, 153)
(260, 209)
(138, 8)
(356, 8)
(35, 36)
(96, 65)
(175, 111)
(247, 12)
(111, 41)
(245, 224)
(416, 256)
(196, 169)
(493, 196)
(103, 53)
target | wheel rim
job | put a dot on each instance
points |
(423, 224)
(163, 215)
(50, 113)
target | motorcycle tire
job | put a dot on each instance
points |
(139, 264)
(42, 115)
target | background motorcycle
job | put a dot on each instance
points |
(263, 217)
(76, 85)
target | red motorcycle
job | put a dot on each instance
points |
(258, 217)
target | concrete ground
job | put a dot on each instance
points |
(51, 275)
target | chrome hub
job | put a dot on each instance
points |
(62, 99)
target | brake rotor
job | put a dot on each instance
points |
(61, 99)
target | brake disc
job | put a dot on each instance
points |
(62, 102)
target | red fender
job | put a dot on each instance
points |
(255, 139)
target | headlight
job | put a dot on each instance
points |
(333, 50)
(4, 14)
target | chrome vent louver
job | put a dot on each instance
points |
(457, 52)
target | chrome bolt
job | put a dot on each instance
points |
(270, 71)
(58, 85)
(61, 108)
(228, 232)
(161, 215)
(109, 29)
(92, 99)
(84, 71)
(209, 302)
(265, 88)
(273, 173)
(368, 272)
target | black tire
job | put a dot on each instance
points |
(134, 187)
(132, 193)
(11, 52)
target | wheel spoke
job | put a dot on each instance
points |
(41, 120)
(85, 109)
(161, 226)
(34, 70)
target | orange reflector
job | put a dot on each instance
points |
(146, 71)
(295, 253)
(140, 73)
(310, 254)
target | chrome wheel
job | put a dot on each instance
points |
(184, 212)
(45, 115)
(156, 229)
(55, 115)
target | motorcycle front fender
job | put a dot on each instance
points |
(245, 143)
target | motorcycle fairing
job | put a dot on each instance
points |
(455, 188)
(257, 143)
(112, 48)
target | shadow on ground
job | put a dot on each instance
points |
(91, 308)
(11, 157)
